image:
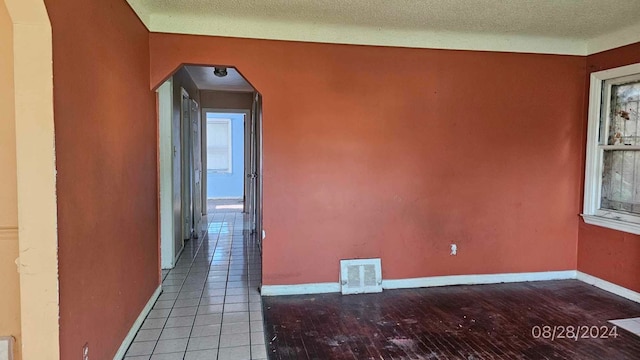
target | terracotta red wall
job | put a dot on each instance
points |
(609, 254)
(106, 160)
(397, 153)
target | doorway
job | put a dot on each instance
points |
(225, 158)
(209, 151)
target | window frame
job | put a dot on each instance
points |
(592, 214)
(229, 123)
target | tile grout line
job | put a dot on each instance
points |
(165, 319)
(226, 286)
(172, 306)
(199, 245)
(193, 260)
(248, 292)
(205, 282)
(195, 255)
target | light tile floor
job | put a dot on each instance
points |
(210, 307)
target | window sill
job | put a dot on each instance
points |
(614, 224)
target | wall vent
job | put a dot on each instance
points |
(360, 276)
(6, 348)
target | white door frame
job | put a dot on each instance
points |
(196, 127)
(186, 167)
(247, 115)
(165, 152)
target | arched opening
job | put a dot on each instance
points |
(209, 120)
(209, 126)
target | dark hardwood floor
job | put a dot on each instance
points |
(503, 321)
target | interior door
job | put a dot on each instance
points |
(251, 189)
(197, 167)
(176, 164)
(167, 180)
(254, 203)
(247, 160)
(258, 171)
(187, 167)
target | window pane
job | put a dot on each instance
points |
(621, 181)
(625, 104)
(218, 145)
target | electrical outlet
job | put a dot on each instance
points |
(85, 352)
(454, 249)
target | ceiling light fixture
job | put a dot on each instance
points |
(220, 71)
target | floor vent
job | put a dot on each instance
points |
(360, 276)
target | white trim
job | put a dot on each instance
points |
(320, 288)
(616, 72)
(434, 281)
(614, 40)
(626, 226)
(186, 165)
(165, 144)
(620, 147)
(609, 286)
(593, 160)
(137, 324)
(594, 155)
(477, 279)
(300, 289)
(213, 25)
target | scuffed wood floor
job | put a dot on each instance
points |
(455, 322)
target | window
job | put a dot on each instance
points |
(612, 176)
(219, 145)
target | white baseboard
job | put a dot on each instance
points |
(175, 260)
(320, 288)
(609, 286)
(137, 324)
(300, 289)
(477, 279)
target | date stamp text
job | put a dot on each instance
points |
(575, 333)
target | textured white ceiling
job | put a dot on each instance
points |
(559, 23)
(205, 79)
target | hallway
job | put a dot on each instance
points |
(210, 307)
